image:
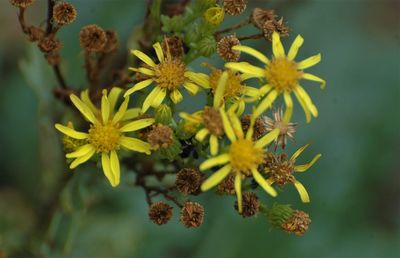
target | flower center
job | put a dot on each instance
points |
(170, 73)
(281, 169)
(104, 138)
(282, 73)
(245, 156)
(212, 121)
(233, 85)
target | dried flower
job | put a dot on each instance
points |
(286, 130)
(173, 46)
(160, 136)
(259, 129)
(298, 223)
(112, 42)
(235, 7)
(35, 33)
(224, 48)
(259, 16)
(273, 25)
(160, 213)
(192, 215)
(251, 205)
(188, 180)
(227, 186)
(49, 44)
(64, 13)
(21, 3)
(92, 38)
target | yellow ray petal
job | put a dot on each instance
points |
(145, 58)
(131, 113)
(289, 107)
(238, 190)
(142, 70)
(138, 124)
(246, 68)
(150, 98)
(236, 125)
(299, 151)
(241, 106)
(192, 117)
(252, 52)
(105, 108)
(113, 96)
(85, 110)
(88, 102)
(302, 192)
(82, 159)
(191, 88)
(121, 111)
(302, 168)
(106, 164)
(138, 86)
(227, 125)
(159, 98)
(295, 47)
(213, 145)
(215, 161)
(268, 138)
(265, 103)
(81, 151)
(250, 130)
(115, 169)
(220, 90)
(251, 91)
(71, 132)
(277, 47)
(215, 178)
(201, 134)
(263, 183)
(199, 79)
(304, 95)
(159, 52)
(304, 106)
(312, 77)
(265, 89)
(176, 96)
(311, 61)
(135, 145)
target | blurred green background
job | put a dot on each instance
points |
(354, 188)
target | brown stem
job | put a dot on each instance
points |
(256, 36)
(50, 5)
(234, 27)
(21, 19)
(59, 76)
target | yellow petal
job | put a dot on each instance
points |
(310, 105)
(150, 98)
(227, 125)
(213, 145)
(121, 111)
(106, 164)
(265, 103)
(238, 190)
(138, 124)
(82, 159)
(311, 61)
(215, 178)
(299, 151)
(215, 161)
(246, 68)
(268, 138)
(135, 145)
(176, 96)
(302, 191)
(302, 168)
(263, 183)
(138, 86)
(251, 91)
(295, 47)
(115, 169)
(159, 52)
(85, 110)
(159, 98)
(113, 96)
(277, 47)
(250, 130)
(131, 113)
(71, 132)
(220, 90)
(142, 70)
(191, 88)
(304, 106)
(88, 102)
(105, 108)
(236, 125)
(145, 58)
(265, 89)
(81, 151)
(195, 118)
(312, 77)
(198, 78)
(201, 134)
(252, 52)
(289, 107)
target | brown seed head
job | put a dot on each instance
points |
(272, 25)
(160, 136)
(21, 3)
(235, 7)
(224, 48)
(192, 215)
(112, 41)
(227, 186)
(259, 16)
(212, 121)
(92, 38)
(160, 213)
(298, 223)
(188, 180)
(173, 46)
(259, 129)
(280, 168)
(53, 58)
(251, 205)
(64, 13)
(35, 33)
(49, 44)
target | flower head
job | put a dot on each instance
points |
(214, 15)
(282, 74)
(286, 129)
(169, 75)
(106, 134)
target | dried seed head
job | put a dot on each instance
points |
(224, 48)
(260, 16)
(49, 44)
(64, 13)
(272, 25)
(227, 186)
(188, 180)
(92, 38)
(112, 41)
(298, 223)
(287, 130)
(173, 46)
(160, 136)
(21, 3)
(212, 121)
(192, 214)
(235, 7)
(35, 33)
(160, 213)
(259, 128)
(251, 205)
(280, 168)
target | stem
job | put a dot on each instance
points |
(21, 19)
(50, 5)
(256, 36)
(234, 27)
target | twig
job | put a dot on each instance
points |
(234, 27)
(256, 36)
(50, 6)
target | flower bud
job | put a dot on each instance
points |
(163, 114)
(214, 15)
(207, 46)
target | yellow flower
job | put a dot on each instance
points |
(169, 75)
(107, 132)
(282, 74)
(214, 15)
(242, 158)
(281, 171)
